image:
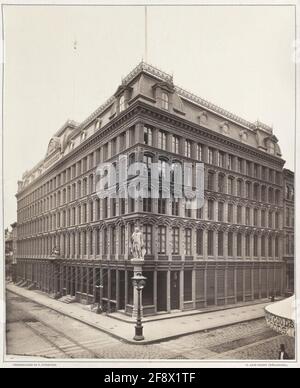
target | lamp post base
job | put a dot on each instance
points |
(138, 333)
(138, 337)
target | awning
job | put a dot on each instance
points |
(280, 316)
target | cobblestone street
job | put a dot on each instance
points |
(46, 333)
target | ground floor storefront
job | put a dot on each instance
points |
(170, 286)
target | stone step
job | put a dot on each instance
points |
(68, 299)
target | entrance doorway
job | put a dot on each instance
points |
(162, 291)
(175, 290)
(122, 290)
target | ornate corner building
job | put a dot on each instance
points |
(232, 250)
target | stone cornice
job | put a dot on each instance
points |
(139, 109)
(218, 138)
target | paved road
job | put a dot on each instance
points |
(35, 330)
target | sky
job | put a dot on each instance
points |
(239, 58)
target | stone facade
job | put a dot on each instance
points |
(229, 251)
(288, 218)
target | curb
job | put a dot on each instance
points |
(132, 342)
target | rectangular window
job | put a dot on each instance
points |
(122, 206)
(199, 152)
(161, 249)
(240, 165)
(147, 204)
(175, 207)
(230, 212)
(221, 159)
(210, 209)
(210, 156)
(263, 246)
(162, 140)
(255, 246)
(230, 186)
(175, 241)
(188, 286)
(239, 245)
(210, 243)
(210, 181)
(255, 217)
(220, 243)
(188, 242)
(162, 206)
(247, 247)
(148, 239)
(113, 147)
(230, 244)
(248, 168)
(199, 242)
(175, 145)
(113, 241)
(247, 216)
(165, 101)
(263, 218)
(148, 135)
(230, 162)
(239, 188)
(188, 148)
(122, 245)
(220, 211)
(105, 242)
(239, 214)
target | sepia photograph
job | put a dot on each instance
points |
(148, 186)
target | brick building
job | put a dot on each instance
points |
(229, 251)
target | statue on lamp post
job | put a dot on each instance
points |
(137, 245)
(138, 252)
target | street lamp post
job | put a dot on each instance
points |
(139, 281)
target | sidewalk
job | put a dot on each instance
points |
(154, 331)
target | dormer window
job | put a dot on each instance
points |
(122, 104)
(271, 148)
(165, 101)
(83, 136)
(98, 123)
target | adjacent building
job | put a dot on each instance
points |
(230, 251)
(288, 219)
(11, 252)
